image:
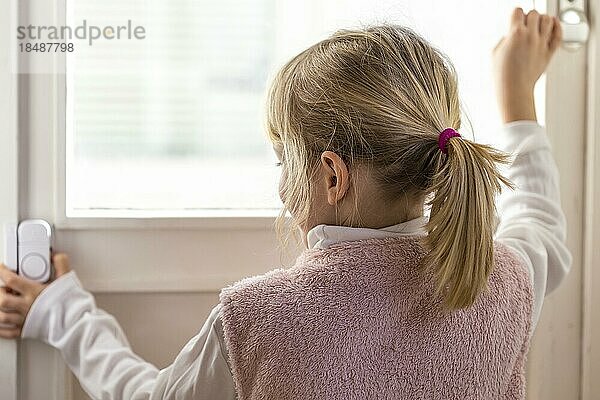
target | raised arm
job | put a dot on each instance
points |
(531, 218)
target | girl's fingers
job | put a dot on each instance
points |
(10, 333)
(11, 302)
(546, 25)
(11, 318)
(533, 21)
(556, 35)
(13, 280)
(61, 264)
(18, 283)
(517, 17)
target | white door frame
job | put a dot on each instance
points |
(9, 194)
(590, 345)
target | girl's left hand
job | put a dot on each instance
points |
(19, 294)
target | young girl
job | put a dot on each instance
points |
(384, 302)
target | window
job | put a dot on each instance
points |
(172, 125)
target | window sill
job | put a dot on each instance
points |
(197, 220)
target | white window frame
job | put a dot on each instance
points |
(130, 219)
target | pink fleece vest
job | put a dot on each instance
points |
(358, 321)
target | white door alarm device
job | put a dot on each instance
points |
(27, 249)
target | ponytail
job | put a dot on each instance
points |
(377, 96)
(462, 220)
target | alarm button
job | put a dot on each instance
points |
(33, 266)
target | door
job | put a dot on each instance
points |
(144, 248)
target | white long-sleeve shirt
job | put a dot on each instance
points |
(94, 347)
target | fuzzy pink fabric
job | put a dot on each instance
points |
(358, 321)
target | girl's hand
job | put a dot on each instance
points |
(19, 294)
(520, 58)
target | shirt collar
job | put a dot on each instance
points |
(322, 236)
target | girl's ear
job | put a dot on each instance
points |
(336, 176)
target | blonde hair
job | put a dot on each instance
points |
(380, 96)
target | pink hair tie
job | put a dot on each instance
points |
(445, 135)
